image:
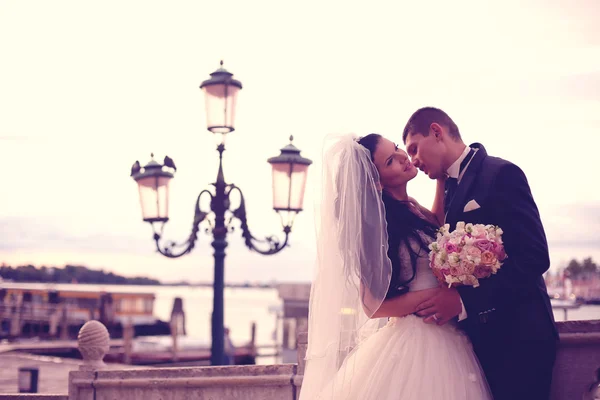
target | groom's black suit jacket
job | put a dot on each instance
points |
(512, 305)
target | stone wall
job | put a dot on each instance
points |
(577, 360)
(256, 382)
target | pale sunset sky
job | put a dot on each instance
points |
(87, 88)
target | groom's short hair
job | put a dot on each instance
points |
(422, 119)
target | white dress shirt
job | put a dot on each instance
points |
(454, 170)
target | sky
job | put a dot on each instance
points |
(87, 88)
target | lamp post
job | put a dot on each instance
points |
(289, 182)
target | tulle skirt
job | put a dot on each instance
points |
(410, 360)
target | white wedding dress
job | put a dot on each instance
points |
(408, 359)
(351, 356)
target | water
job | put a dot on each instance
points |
(585, 312)
(243, 306)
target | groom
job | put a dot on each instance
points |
(508, 317)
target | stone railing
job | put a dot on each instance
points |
(264, 382)
(268, 382)
(577, 360)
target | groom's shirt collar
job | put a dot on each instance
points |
(454, 170)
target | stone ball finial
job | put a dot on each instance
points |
(93, 343)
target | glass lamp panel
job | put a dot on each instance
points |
(220, 107)
(298, 186)
(154, 197)
(289, 186)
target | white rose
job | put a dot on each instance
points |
(474, 260)
(455, 240)
(469, 241)
(440, 258)
(454, 260)
(479, 230)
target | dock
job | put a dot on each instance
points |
(56, 345)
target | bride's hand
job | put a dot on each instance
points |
(405, 304)
(441, 307)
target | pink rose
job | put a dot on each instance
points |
(473, 252)
(499, 252)
(484, 244)
(488, 258)
(439, 275)
(468, 266)
(454, 271)
(482, 272)
(460, 270)
(451, 248)
(445, 271)
(432, 263)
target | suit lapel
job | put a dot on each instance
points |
(465, 183)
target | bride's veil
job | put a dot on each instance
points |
(353, 270)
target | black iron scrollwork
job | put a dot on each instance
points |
(171, 249)
(272, 243)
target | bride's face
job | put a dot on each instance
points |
(393, 164)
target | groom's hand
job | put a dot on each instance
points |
(440, 308)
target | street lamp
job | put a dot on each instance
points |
(153, 184)
(289, 182)
(221, 92)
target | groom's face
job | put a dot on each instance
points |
(426, 153)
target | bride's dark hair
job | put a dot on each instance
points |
(403, 224)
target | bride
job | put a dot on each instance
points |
(364, 342)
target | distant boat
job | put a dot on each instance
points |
(53, 311)
(593, 301)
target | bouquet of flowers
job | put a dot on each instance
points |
(467, 254)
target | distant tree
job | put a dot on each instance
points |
(589, 269)
(68, 274)
(573, 269)
(584, 270)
